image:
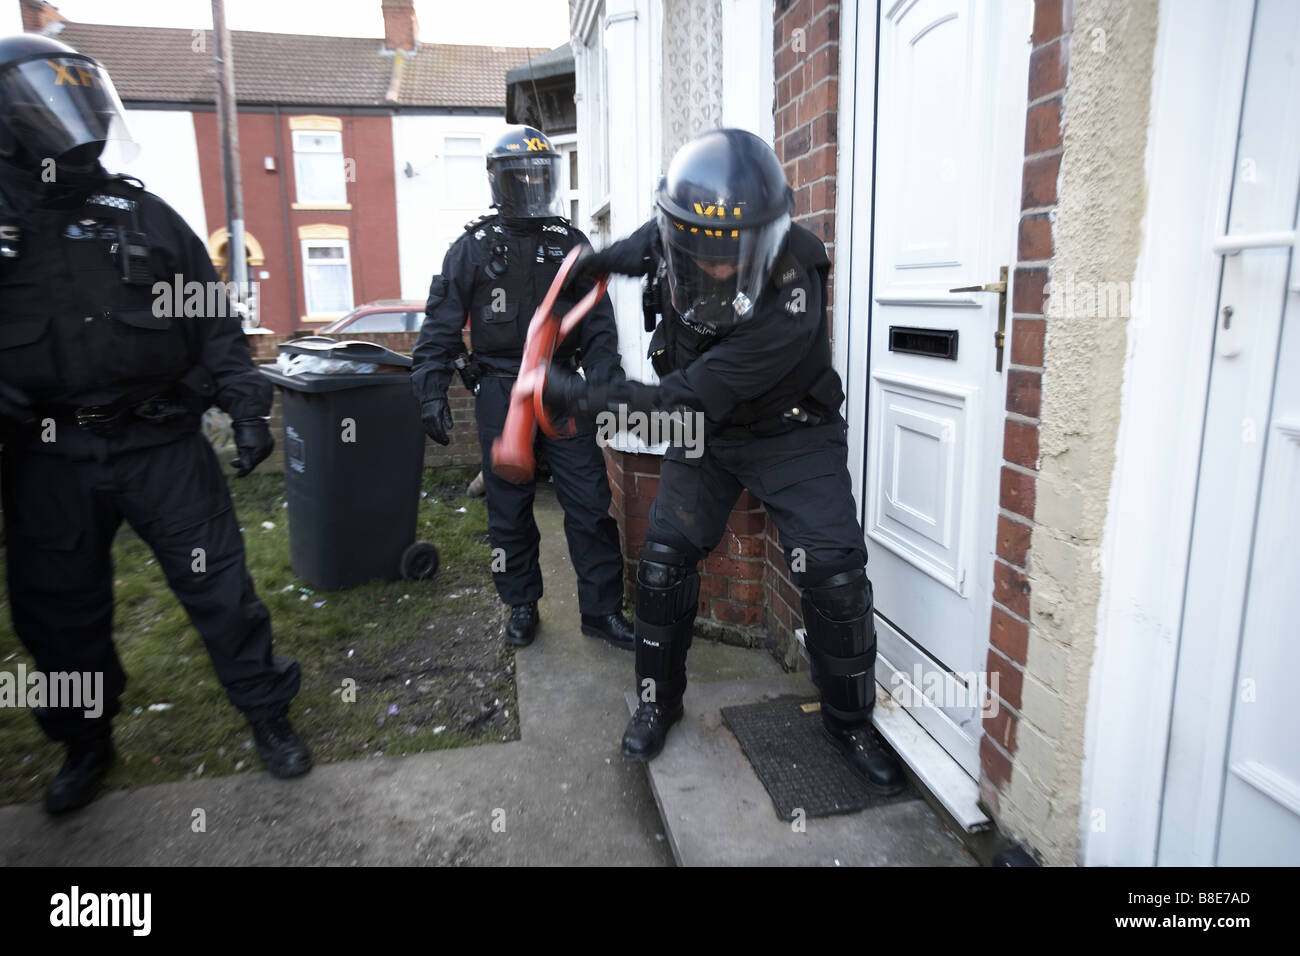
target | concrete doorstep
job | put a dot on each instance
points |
(560, 795)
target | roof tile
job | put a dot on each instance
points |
(158, 64)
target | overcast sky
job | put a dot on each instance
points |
(543, 23)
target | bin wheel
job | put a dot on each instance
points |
(419, 561)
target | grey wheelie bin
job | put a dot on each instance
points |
(353, 461)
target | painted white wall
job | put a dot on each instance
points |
(11, 19)
(168, 162)
(747, 64)
(633, 51)
(428, 219)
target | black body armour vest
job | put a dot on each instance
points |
(78, 319)
(514, 272)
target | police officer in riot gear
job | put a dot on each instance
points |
(497, 273)
(101, 391)
(743, 341)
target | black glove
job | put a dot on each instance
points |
(436, 416)
(253, 442)
(15, 408)
(619, 257)
(568, 395)
(583, 269)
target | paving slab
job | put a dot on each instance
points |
(718, 813)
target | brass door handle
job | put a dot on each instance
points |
(987, 287)
(1000, 287)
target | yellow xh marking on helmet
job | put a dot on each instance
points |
(717, 210)
(711, 233)
(63, 75)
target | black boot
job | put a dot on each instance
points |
(83, 771)
(874, 765)
(612, 627)
(648, 728)
(522, 626)
(842, 647)
(667, 593)
(282, 749)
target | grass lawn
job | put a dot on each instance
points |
(430, 668)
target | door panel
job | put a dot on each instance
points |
(925, 444)
(950, 113)
(1260, 819)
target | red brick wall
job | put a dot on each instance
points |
(401, 28)
(37, 15)
(371, 222)
(1009, 625)
(731, 578)
(807, 65)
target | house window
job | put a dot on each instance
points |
(592, 153)
(327, 268)
(318, 167)
(464, 173)
(567, 187)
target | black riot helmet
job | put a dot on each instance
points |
(723, 210)
(56, 104)
(524, 170)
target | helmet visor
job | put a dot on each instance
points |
(56, 105)
(526, 186)
(716, 274)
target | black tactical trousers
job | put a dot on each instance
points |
(581, 485)
(60, 518)
(802, 479)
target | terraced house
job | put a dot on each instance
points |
(340, 138)
(1065, 309)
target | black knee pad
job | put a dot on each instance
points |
(845, 596)
(841, 642)
(667, 585)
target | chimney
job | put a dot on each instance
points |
(38, 16)
(401, 29)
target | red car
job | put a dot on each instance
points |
(386, 315)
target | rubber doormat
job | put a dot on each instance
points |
(798, 766)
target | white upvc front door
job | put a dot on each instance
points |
(1232, 778)
(949, 97)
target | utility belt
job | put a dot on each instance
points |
(820, 404)
(797, 416)
(157, 404)
(472, 371)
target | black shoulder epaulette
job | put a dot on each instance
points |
(482, 220)
(786, 271)
(134, 182)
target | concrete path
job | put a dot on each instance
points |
(719, 814)
(560, 795)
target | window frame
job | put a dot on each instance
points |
(302, 201)
(330, 242)
(484, 198)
